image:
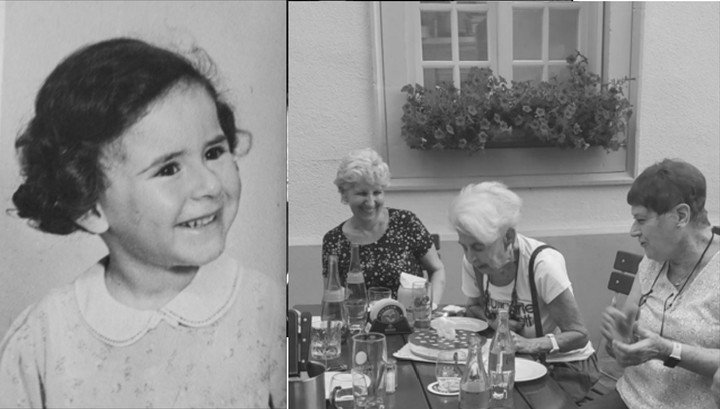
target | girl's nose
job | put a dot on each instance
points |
(634, 229)
(206, 183)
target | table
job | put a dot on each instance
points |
(413, 378)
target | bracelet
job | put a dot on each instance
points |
(553, 341)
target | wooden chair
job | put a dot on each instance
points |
(620, 282)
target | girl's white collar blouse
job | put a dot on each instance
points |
(208, 296)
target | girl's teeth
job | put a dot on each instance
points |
(200, 222)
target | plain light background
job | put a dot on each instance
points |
(247, 41)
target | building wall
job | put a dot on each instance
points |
(247, 41)
(332, 111)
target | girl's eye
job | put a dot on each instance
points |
(168, 170)
(215, 152)
(478, 248)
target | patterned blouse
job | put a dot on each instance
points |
(693, 319)
(219, 343)
(399, 250)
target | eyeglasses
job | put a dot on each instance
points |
(666, 306)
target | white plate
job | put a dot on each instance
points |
(464, 323)
(527, 370)
(433, 387)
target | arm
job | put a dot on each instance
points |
(564, 311)
(20, 377)
(618, 323)
(703, 361)
(436, 273)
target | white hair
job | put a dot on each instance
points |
(364, 165)
(485, 211)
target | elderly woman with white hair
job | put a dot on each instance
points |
(392, 241)
(497, 267)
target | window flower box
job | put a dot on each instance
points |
(576, 112)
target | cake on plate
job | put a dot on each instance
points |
(427, 343)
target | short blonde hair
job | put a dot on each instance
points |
(363, 165)
(485, 211)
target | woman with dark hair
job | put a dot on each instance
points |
(667, 335)
(133, 143)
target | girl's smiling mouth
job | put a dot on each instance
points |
(199, 222)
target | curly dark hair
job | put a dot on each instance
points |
(86, 103)
(668, 183)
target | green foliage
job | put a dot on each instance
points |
(577, 112)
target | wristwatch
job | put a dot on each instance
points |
(553, 341)
(674, 357)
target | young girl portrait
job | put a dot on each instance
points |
(136, 144)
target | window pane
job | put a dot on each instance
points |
(434, 76)
(524, 73)
(473, 37)
(560, 71)
(563, 33)
(527, 34)
(435, 26)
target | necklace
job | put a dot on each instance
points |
(687, 278)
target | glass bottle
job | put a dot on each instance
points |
(501, 364)
(356, 299)
(333, 315)
(475, 385)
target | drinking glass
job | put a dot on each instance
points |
(422, 304)
(325, 338)
(341, 390)
(448, 372)
(378, 293)
(369, 357)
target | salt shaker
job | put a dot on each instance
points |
(390, 376)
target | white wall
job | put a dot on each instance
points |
(332, 111)
(247, 41)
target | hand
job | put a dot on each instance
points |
(526, 346)
(475, 311)
(649, 346)
(715, 387)
(618, 325)
(516, 326)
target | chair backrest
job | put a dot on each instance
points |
(436, 241)
(626, 265)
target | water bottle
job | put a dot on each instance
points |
(334, 313)
(474, 385)
(501, 364)
(356, 299)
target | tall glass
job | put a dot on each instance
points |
(369, 357)
(422, 304)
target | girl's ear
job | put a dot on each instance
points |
(93, 221)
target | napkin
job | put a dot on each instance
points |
(407, 280)
(445, 328)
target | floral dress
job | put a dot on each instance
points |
(399, 250)
(219, 343)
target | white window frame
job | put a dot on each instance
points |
(397, 64)
(500, 36)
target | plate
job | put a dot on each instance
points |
(433, 387)
(465, 323)
(527, 370)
